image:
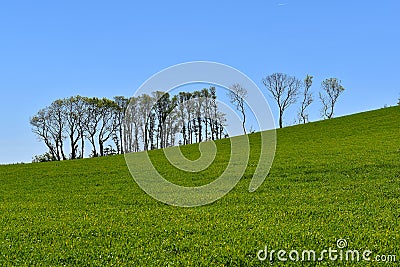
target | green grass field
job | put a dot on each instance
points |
(331, 179)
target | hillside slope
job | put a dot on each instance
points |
(332, 179)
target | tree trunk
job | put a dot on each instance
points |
(94, 146)
(121, 139)
(82, 145)
(73, 147)
(200, 128)
(101, 148)
(280, 119)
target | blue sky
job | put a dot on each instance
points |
(56, 49)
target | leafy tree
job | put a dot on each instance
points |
(284, 89)
(92, 123)
(172, 124)
(145, 110)
(182, 115)
(149, 120)
(214, 113)
(41, 127)
(189, 111)
(44, 157)
(49, 124)
(133, 115)
(121, 105)
(57, 123)
(162, 108)
(109, 151)
(74, 113)
(108, 110)
(198, 104)
(332, 89)
(205, 93)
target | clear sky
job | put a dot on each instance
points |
(56, 49)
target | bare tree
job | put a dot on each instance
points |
(284, 89)
(332, 88)
(237, 95)
(220, 122)
(306, 100)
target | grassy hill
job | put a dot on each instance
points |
(330, 180)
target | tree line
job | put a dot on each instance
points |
(159, 120)
(123, 125)
(286, 90)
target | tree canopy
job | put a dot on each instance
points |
(124, 125)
